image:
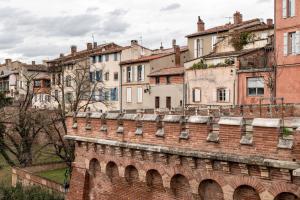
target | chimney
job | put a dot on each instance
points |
(200, 25)
(161, 46)
(89, 46)
(134, 42)
(33, 62)
(73, 49)
(174, 43)
(7, 61)
(61, 55)
(237, 17)
(95, 45)
(177, 55)
(270, 22)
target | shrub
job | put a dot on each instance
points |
(240, 39)
(199, 65)
(26, 193)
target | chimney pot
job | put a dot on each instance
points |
(73, 49)
(7, 61)
(270, 22)
(174, 43)
(89, 46)
(61, 55)
(134, 42)
(200, 25)
(33, 62)
(95, 44)
(237, 17)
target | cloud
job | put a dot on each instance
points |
(172, 6)
(114, 23)
(264, 1)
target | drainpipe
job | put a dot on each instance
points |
(121, 85)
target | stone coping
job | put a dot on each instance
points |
(199, 119)
(130, 116)
(266, 122)
(232, 121)
(253, 160)
(112, 115)
(172, 118)
(150, 117)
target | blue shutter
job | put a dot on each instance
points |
(100, 75)
(100, 58)
(97, 76)
(116, 94)
(112, 96)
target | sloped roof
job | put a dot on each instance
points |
(175, 70)
(231, 53)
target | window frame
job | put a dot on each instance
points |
(223, 95)
(256, 88)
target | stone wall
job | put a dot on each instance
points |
(174, 157)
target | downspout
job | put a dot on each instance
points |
(275, 51)
(121, 85)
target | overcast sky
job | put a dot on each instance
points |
(41, 29)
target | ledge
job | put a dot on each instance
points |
(266, 122)
(256, 160)
(198, 119)
(96, 115)
(112, 116)
(172, 118)
(81, 114)
(150, 117)
(231, 121)
(130, 116)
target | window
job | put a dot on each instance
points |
(288, 8)
(168, 79)
(157, 80)
(53, 79)
(69, 97)
(47, 98)
(222, 95)
(157, 102)
(128, 95)
(255, 86)
(106, 95)
(106, 76)
(140, 95)
(101, 95)
(213, 41)
(198, 48)
(115, 56)
(37, 83)
(47, 83)
(140, 73)
(92, 77)
(129, 74)
(58, 79)
(56, 94)
(116, 76)
(114, 94)
(106, 57)
(168, 103)
(68, 81)
(100, 58)
(196, 95)
(94, 59)
(292, 43)
(99, 75)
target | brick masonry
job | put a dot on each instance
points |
(180, 162)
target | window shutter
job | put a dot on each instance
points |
(116, 94)
(201, 48)
(128, 95)
(227, 97)
(140, 95)
(298, 42)
(285, 44)
(284, 8)
(193, 93)
(293, 8)
(135, 73)
(214, 97)
(97, 76)
(197, 95)
(91, 77)
(195, 48)
(143, 72)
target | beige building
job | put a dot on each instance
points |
(138, 92)
(212, 79)
(17, 79)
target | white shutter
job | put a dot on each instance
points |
(227, 97)
(197, 95)
(284, 8)
(298, 42)
(285, 44)
(128, 95)
(135, 74)
(293, 8)
(195, 48)
(140, 95)
(143, 73)
(214, 96)
(201, 48)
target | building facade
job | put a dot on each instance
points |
(287, 34)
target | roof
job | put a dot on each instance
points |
(222, 28)
(231, 53)
(152, 57)
(168, 71)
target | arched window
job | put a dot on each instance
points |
(210, 190)
(180, 187)
(112, 171)
(286, 196)
(68, 81)
(245, 192)
(154, 179)
(131, 174)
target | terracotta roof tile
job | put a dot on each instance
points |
(168, 71)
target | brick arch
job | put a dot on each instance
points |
(250, 181)
(278, 188)
(180, 187)
(112, 171)
(213, 176)
(131, 174)
(246, 192)
(154, 179)
(286, 196)
(210, 190)
(94, 167)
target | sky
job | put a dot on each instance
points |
(42, 29)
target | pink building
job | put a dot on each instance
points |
(287, 26)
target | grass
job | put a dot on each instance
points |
(56, 175)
